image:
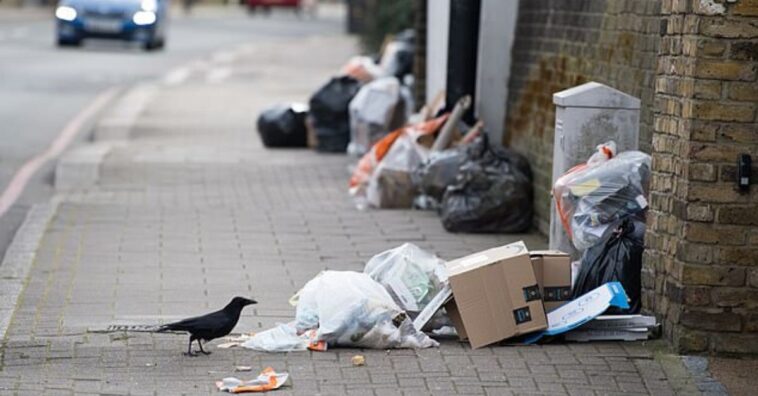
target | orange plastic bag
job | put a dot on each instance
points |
(366, 168)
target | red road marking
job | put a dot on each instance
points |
(66, 135)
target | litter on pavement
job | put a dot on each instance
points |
(267, 380)
(406, 297)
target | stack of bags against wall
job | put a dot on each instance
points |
(602, 206)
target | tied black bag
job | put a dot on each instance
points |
(283, 126)
(492, 192)
(329, 113)
(618, 258)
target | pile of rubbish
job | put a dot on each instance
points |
(365, 100)
(429, 159)
(407, 298)
(602, 206)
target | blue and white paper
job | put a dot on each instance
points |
(582, 310)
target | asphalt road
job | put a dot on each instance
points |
(43, 87)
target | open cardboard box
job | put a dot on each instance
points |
(496, 295)
(552, 268)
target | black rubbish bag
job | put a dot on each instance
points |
(439, 171)
(283, 126)
(492, 192)
(617, 258)
(329, 113)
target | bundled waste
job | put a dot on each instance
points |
(594, 198)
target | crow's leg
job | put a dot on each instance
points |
(201, 348)
(189, 348)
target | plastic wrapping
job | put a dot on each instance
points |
(351, 309)
(595, 197)
(283, 125)
(382, 177)
(282, 338)
(373, 113)
(397, 57)
(492, 193)
(411, 275)
(329, 113)
(617, 258)
(433, 176)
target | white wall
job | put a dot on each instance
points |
(437, 24)
(497, 30)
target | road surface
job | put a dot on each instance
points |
(43, 88)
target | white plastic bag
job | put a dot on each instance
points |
(351, 309)
(411, 275)
(593, 198)
(282, 338)
(372, 113)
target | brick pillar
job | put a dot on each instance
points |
(700, 273)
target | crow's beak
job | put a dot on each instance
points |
(250, 302)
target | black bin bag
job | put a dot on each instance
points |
(492, 192)
(330, 116)
(617, 258)
(283, 126)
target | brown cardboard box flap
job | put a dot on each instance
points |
(496, 295)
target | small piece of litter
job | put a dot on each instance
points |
(358, 360)
(243, 368)
(266, 381)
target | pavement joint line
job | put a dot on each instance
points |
(19, 258)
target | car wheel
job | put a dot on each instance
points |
(153, 45)
(69, 42)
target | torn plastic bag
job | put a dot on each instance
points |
(492, 192)
(362, 68)
(350, 309)
(329, 113)
(594, 197)
(397, 57)
(618, 258)
(381, 179)
(283, 126)
(411, 275)
(267, 380)
(433, 176)
(283, 338)
(374, 113)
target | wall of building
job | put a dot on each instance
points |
(701, 260)
(563, 43)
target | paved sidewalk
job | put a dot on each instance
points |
(189, 210)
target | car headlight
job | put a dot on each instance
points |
(65, 13)
(149, 5)
(144, 17)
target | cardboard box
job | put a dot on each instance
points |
(553, 271)
(495, 295)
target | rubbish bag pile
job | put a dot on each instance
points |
(429, 159)
(405, 297)
(602, 206)
(355, 108)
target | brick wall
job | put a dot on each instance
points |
(701, 261)
(563, 43)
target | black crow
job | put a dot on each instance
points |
(210, 326)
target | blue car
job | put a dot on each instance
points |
(142, 21)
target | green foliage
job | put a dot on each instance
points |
(385, 17)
